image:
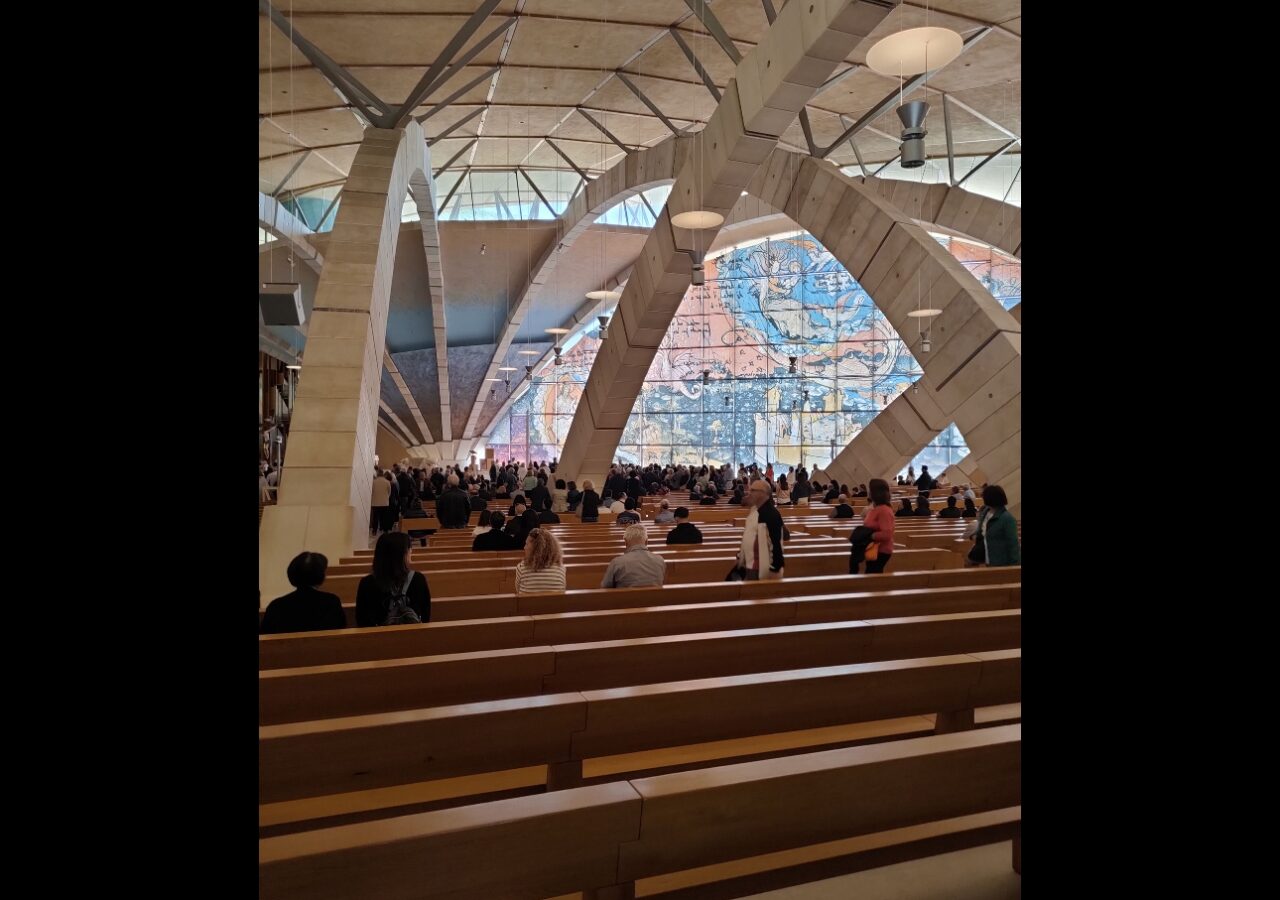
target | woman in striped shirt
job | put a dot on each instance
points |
(542, 571)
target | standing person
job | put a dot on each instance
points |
(453, 508)
(637, 566)
(381, 499)
(305, 609)
(393, 594)
(996, 532)
(925, 483)
(408, 491)
(542, 571)
(761, 554)
(573, 497)
(540, 497)
(879, 518)
(590, 502)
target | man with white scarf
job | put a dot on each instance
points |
(761, 552)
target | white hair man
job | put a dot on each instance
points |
(637, 566)
(761, 554)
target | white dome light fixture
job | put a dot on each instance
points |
(604, 295)
(924, 313)
(697, 219)
(914, 51)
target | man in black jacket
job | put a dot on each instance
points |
(925, 483)
(453, 509)
(540, 497)
(685, 531)
(495, 538)
(479, 499)
(408, 491)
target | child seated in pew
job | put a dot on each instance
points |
(305, 609)
(906, 509)
(482, 524)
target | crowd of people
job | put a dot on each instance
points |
(395, 594)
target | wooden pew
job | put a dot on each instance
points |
(436, 638)
(604, 838)
(488, 606)
(351, 689)
(479, 580)
(310, 759)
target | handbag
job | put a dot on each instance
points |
(872, 552)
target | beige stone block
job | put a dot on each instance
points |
(925, 404)
(907, 419)
(895, 257)
(857, 18)
(343, 325)
(875, 450)
(348, 272)
(325, 351)
(867, 231)
(817, 218)
(332, 296)
(1002, 459)
(335, 382)
(1016, 312)
(321, 449)
(961, 347)
(800, 194)
(997, 392)
(975, 374)
(895, 421)
(325, 414)
(303, 486)
(989, 432)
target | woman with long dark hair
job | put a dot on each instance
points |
(393, 588)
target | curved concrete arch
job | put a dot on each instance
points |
(976, 360)
(952, 208)
(640, 171)
(328, 468)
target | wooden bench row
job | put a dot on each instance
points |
(310, 759)
(604, 838)
(468, 636)
(360, 688)
(488, 606)
(457, 582)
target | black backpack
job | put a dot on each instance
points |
(399, 612)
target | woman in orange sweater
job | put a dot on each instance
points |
(880, 517)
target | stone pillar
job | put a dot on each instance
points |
(326, 481)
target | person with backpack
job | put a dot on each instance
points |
(393, 594)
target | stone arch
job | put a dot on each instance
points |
(976, 361)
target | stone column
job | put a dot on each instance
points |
(326, 481)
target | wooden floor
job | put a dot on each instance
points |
(979, 873)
